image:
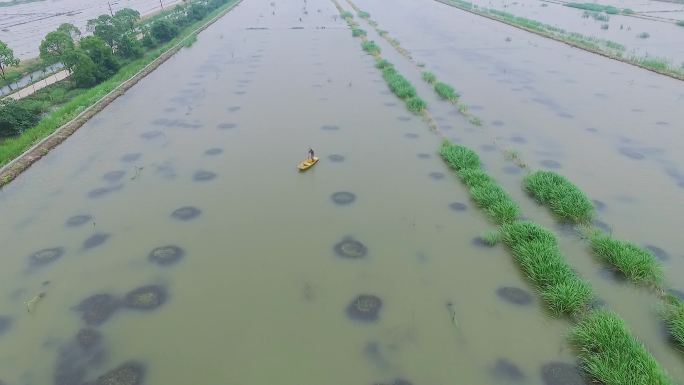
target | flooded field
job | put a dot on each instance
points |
(172, 240)
(651, 31)
(23, 26)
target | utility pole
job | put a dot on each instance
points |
(110, 8)
(160, 4)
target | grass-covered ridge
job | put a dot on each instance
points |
(536, 251)
(612, 355)
(446, 92)
(370, 47)
(673, 315)
(484, 190)
(564, 198)
(636, 263)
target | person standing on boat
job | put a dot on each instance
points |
(311, 154)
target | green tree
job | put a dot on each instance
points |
(54, 46)
(83, 69)
(196, 12)
(104, 28)
(129, 48)
(101, 55)
(7, 59)
(70, 30)
(15, 118)
(163, 31)
(126, 19)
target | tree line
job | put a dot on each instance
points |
(114, 41)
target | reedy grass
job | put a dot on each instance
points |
(609, 352)
(563, 198)
(460, 157)
(370, 47)
(383, 64)
(429, 77)
(536, 251)
(491, 238)
(446, 92)
(636, 263)
(398, 84)
(415, 104)
(356, 32)
(673, 315)
(347, 15)
(363, 14)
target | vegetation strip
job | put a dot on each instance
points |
(36, 142)
(605, 48)
(636, 263)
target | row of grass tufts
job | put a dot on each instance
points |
(673, 315)
(611, 354)
(429, 77)
(446, 92)
(484, 190)
(401, 87)
(370, 47)
(536, 251)
(636, 263)
(564, 198)
(356, 32)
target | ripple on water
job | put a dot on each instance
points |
(458, 206)
(78, 220)
(561, 373)
(343, 198)
(114, 176)
(437, 175)
(514, 295)
(365, 307)
(213, 151)
(550, 163)
(186, 213)
(102, 191)
(226, 126)
(350, 248)
(203, 176)
(166, 255)
(505, 370)
(336, 158)
(95, 240)
(131, 157)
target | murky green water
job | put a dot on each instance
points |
(260, 295)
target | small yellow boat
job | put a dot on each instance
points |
(307, 164)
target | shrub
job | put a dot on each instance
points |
(163, 31)
(15, 117)
(129, 48)
(446, 91)
(459, 157)
(415, 104)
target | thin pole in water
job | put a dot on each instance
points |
(110, 8)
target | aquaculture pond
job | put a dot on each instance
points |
(172, 240)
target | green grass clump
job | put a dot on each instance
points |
(460, 157)
(356, 32)
(564, 198)
(415, 104)
(429, 77)
(446, 91)
(674, 320)
(384, 64)
(634, 262)
(491, 238)
(609, 352)
(536, 251)
(364, 15)
(398, 84)
(347, 15)
(370, 47)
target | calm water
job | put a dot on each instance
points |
(260, 295)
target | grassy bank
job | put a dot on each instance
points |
(602, 47)
(84, 98)
(562, 197)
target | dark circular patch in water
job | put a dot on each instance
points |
(458, 206)
(130, 373)
(131, 157)
(512, 170)
(488, 147)
(226, 126)
(390, 104)
(97, 309)
(239, 92)
(146, 298)
(5, 324)
(505, 370)
(480, 242)
(203, 176)
(102, 191)
(95, 240)
(410, 135)
(550, 163)
(365, 307)
(151, 134)
(591, 129)
(602, 225)
(336, 158)
(213, 151)
(436, 175)
(498, 123)
(404, 118)
(78, 220)
(518, 139)
(350, 248)
(87, 338)
(186, 213)
(598, 205)
(343, 197)
(565, 115)
(631, 153)
(514, 295)
(329, 127)
(113, 176)
(166, 255)
(661, 123)
(658, 252)
(612, 274)
(424, 155)
(677, 293)
(46, 256)
(561, 373)
(234, 108)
